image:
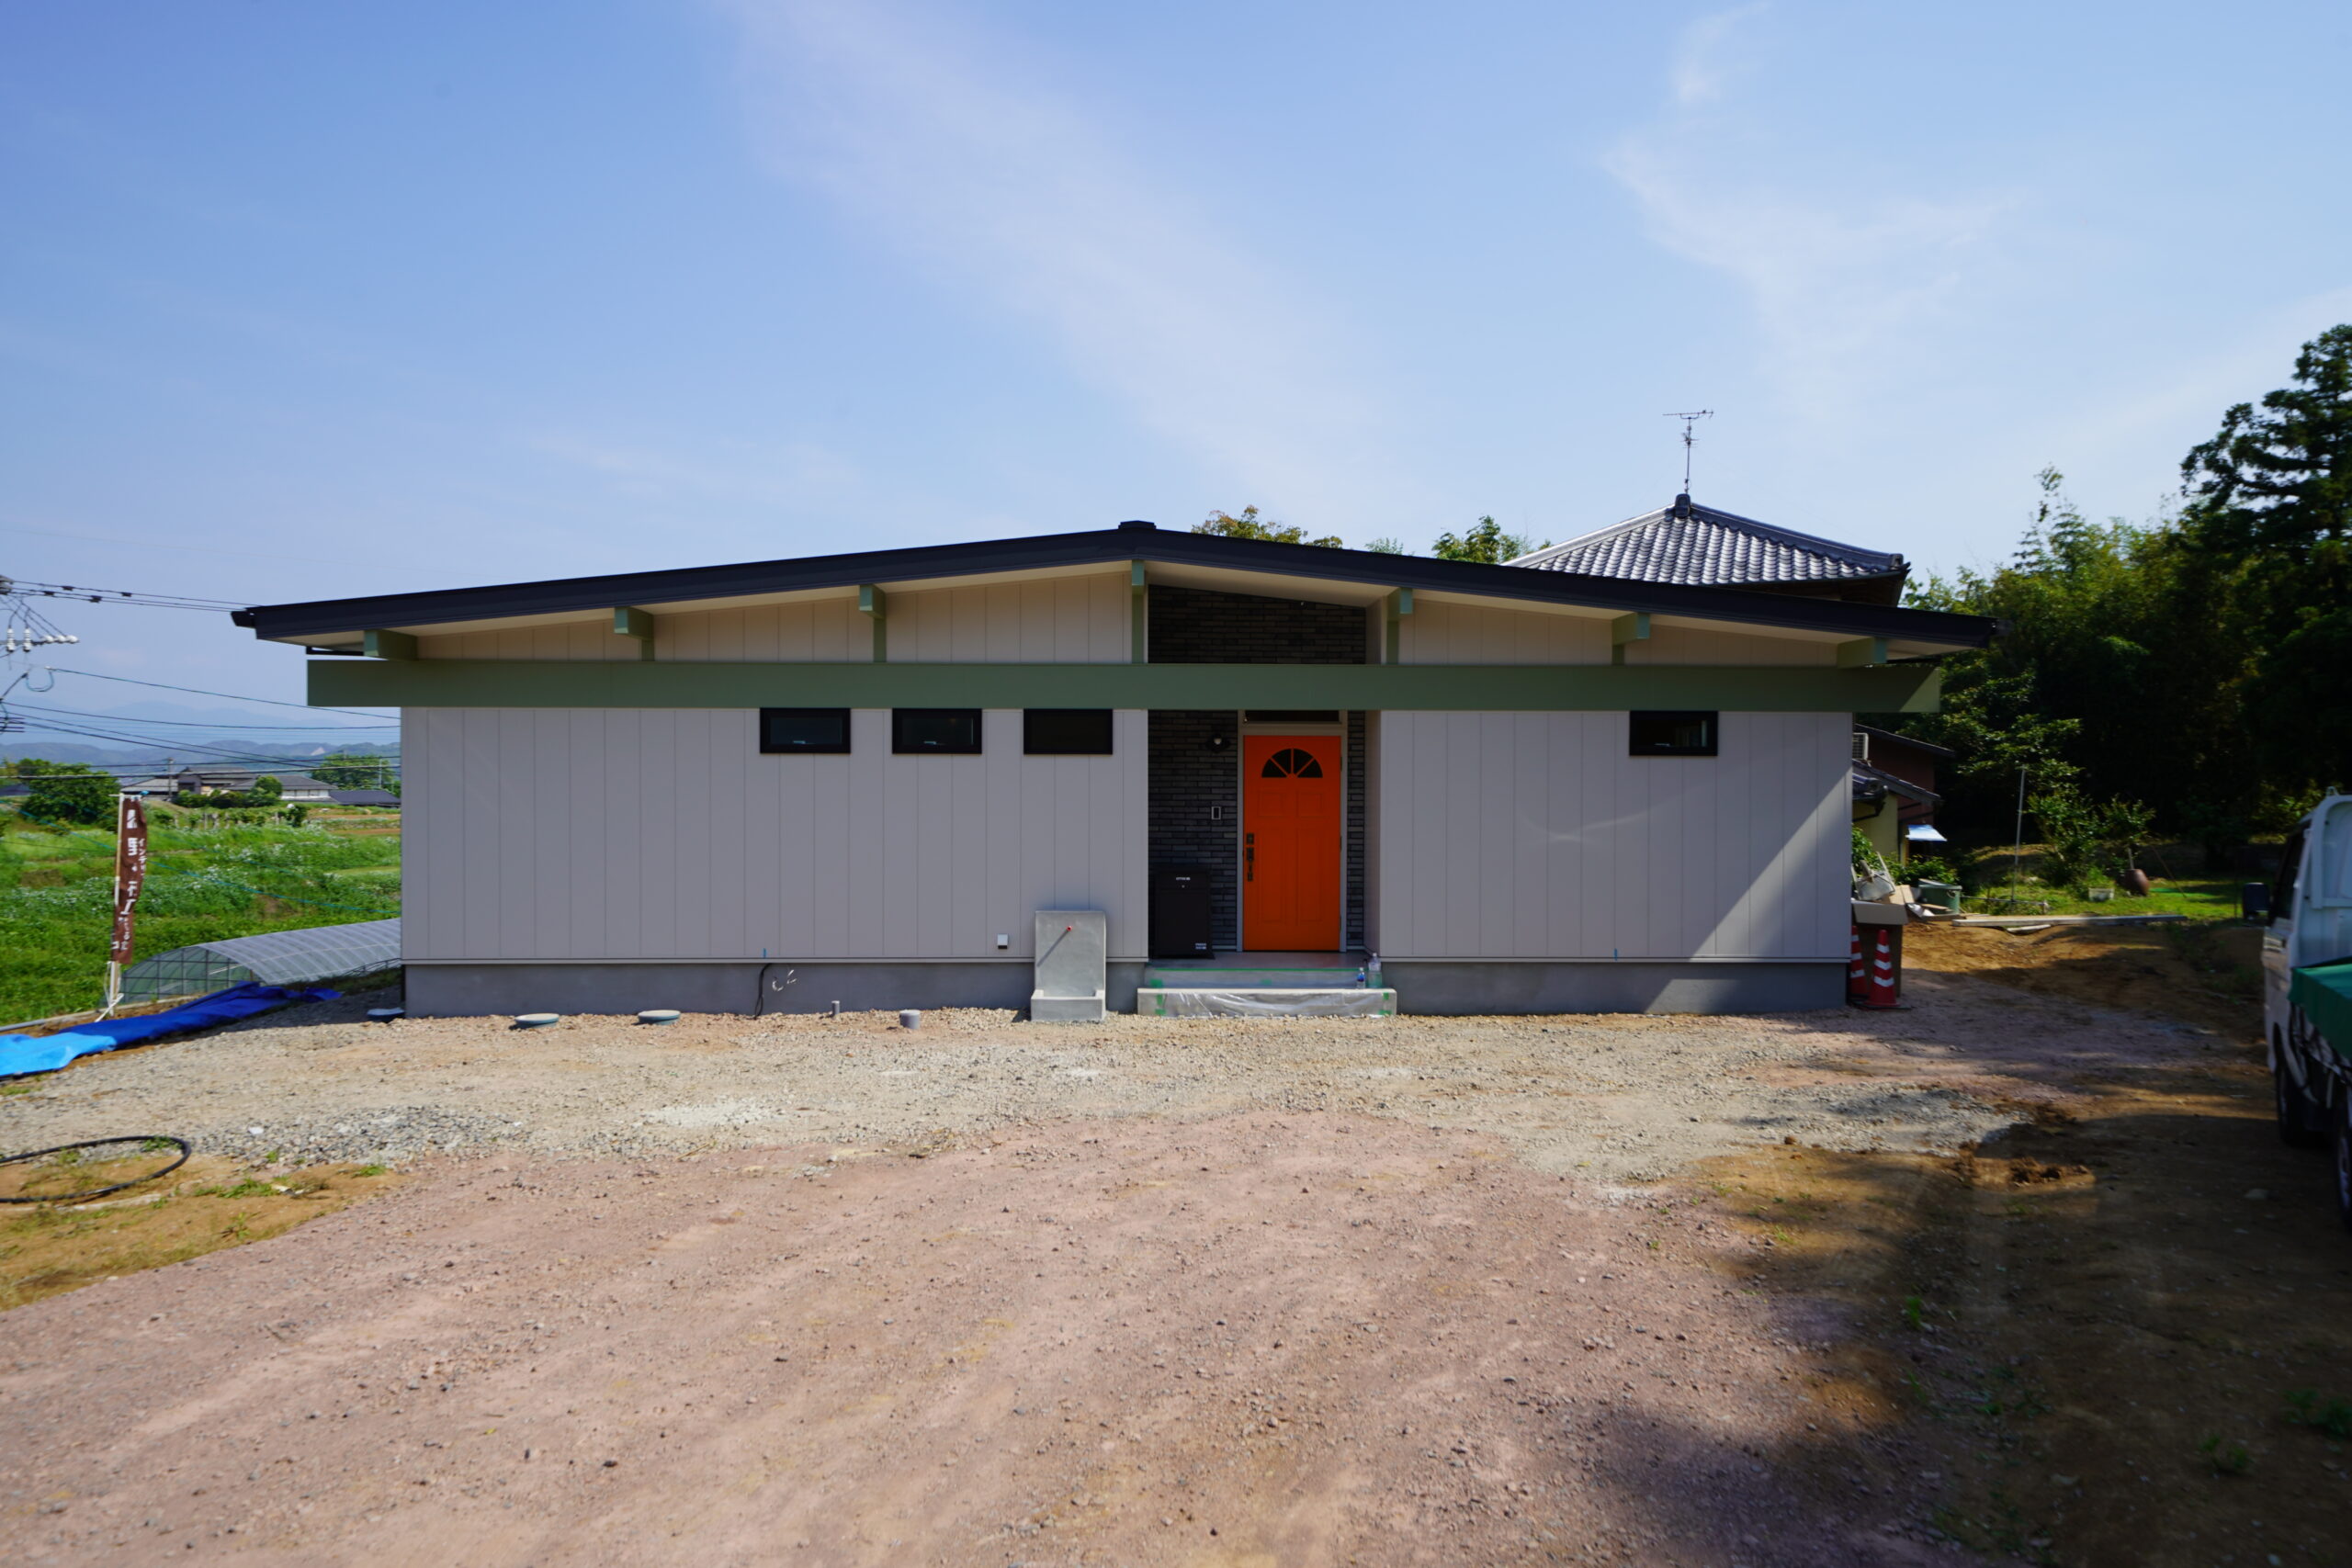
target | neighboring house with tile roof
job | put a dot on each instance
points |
(1698, 546)
(1895, 790)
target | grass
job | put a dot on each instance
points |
(1987, 873)
(206, 1205)
(56, 895)
(2332, 1420)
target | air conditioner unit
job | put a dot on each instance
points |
(1861, 747)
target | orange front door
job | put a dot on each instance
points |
(1290, 842)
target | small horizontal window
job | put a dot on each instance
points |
(804, 729)
(943, 732)
(1671, 735)
(1291, 715)
(1066, 732)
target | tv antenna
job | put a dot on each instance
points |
(1689, 440)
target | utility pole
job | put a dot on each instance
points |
(2017, 849)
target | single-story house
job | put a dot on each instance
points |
(774, 785)
(293, 786)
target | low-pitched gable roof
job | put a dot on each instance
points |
(1688, 543)
(1201, 560)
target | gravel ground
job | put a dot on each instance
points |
(1622, 1100)
(1209, 1294)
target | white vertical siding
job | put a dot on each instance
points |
(575, 639)
(1534, 835)
(1441, 633)
(631, 833)
(1055, 620)
(1706, 644)
(808, 631)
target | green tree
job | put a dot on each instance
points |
(2114, 672)
(354, 770)
(269, 789)
(66, 792)
(1250, 525)
(2268, 523)
(1388, 545)
(1486, 542)
(2088, 841)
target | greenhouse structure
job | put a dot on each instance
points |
(272, 958)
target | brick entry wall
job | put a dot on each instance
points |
(1187, 779)
(1197, 625)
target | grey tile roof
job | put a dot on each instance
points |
(1697, 545)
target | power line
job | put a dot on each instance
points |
(188, 724)
(217, 753)
(198, 691)
(116, 595)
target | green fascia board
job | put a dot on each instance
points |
(595, 684)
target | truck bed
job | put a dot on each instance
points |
(2324, 992)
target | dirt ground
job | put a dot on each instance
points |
(1623, 1099)
(1419, 1292)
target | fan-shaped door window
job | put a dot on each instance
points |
(1290, 762)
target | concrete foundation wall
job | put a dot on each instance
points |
(1460, 989)
(471, 990)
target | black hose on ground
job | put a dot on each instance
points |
(145, 1140)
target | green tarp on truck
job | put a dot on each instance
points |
(2324, 992)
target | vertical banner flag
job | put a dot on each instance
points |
(129, 872)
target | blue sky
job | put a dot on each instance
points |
(301, 300)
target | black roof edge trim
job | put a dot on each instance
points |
(1106, 546)
(1897, 735)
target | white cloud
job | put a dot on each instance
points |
(933, 139)
(1843, 279)
(1704, 63)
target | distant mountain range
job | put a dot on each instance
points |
(145, 735)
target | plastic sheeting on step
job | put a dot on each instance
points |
(1153, 1001)
(27, 1054)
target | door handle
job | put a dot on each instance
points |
(1248, 857)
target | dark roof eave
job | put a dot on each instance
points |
(1910, 740)
(327, 616)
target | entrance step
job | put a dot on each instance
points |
(1233, 978)
(1196, 999)
(1263, 970)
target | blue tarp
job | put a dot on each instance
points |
(26, 1053)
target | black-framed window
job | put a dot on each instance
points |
(1670, 733)
(951, 732)
(1066, 732)
(821, 730)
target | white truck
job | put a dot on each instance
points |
(2307, 988)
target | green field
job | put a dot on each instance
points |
(56, 895)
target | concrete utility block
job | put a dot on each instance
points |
(1073, 948)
